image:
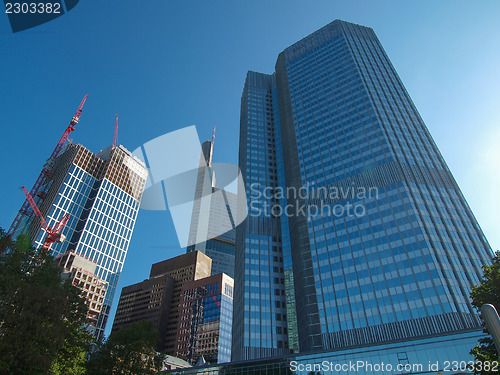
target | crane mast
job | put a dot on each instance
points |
(45, 170)
(53, 234)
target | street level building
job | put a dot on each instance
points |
(158, 299)
(205, 322)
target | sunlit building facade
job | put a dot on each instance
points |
(81, 272)
(158, 299)
(190, 309)
(378, 241)
(101, 194)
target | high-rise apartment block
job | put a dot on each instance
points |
(353, 212)
(101, 194)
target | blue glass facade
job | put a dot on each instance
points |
(220, 232)
(260, 328)
(101, 194)
(382, 243)
(205, 321)
(424, 356)
(225, 327)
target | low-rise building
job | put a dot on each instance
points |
(191, 310)
(205, 320)
(158, 298)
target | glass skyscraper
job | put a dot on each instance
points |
(357, 232)
(260, 322)
(101, 194)
(212, 229)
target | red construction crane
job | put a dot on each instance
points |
(115, 136)
(53, 234)
(45, 170)
(216, 302)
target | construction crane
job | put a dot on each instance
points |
(115, 136)
(35, 190)
(53, 234)
(216, 302)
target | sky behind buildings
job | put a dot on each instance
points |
(163, 65)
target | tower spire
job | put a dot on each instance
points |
(115, 136)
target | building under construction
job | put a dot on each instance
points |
(81, 271)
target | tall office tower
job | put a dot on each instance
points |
(212, 228)
(384, 247)
(220, 243)
(159, 298)
(200, 217)
(101, 194)
(205, 320)
(260, 326)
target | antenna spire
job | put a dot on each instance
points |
(115, 136)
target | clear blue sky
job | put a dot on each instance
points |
(162, 65)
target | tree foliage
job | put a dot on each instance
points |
(42, 315)
(130, 350)
(487, 292)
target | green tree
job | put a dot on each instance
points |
(42, 315)
(72, 356)
(487, 292)
(130, 350)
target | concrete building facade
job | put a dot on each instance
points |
(81, 272)
(158, 299)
